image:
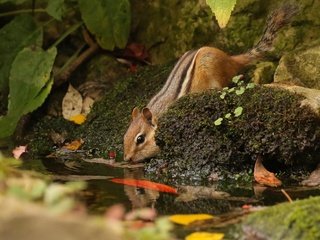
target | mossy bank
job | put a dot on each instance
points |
(295, 220)
(272, 125)
(106, 124)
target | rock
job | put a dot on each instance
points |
(21, 220)
(312, 96)
(296, 220)
(170, 28)
(300, 68)
(263, 73)
(108, 119)
(273, 124)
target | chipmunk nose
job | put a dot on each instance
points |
(127, 158)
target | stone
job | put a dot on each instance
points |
(300, 68)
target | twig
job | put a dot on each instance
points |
(16, 12)
(93, 47)
(286, 195)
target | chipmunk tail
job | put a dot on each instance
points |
(276, 20)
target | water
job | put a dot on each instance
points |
(209, 198)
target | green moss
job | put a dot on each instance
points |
(272, 125)
(109, 118)
(297, 220)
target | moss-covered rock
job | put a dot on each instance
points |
(300, 67)
(272, 125)
(178, 26)
(109, 118)
(263, 73)
(295, 220)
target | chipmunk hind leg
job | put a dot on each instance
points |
(213, 69)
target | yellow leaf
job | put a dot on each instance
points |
(78, 119)
(74, 145)
(186, 219)
(204, 236)
(222, 10)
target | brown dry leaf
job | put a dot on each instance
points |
(74, 145)
(72, 103)
(87, 105)
(18, 151)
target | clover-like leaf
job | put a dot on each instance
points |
(238, 111)
(218, 121)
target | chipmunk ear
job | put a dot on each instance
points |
(147, 114)
(135, 112)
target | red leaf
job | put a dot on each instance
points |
(145, 184)
(137, 51)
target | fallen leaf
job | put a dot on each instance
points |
(87, 105)
(115, 212)
(112, 154)
(78, 119)
(185, 219)
(74, 145)
(148, 214)
(204, 236)
(246, 206)
(18, 151)
(145, 184)
(71, 103)
(137, 51)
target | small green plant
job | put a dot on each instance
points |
(30, 48)
(239, 89)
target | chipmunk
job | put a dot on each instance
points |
(196, 71)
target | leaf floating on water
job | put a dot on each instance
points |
(204, 236)
(145, 184)
(185, 219)
(74, 145)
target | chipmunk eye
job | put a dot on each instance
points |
(140, 139)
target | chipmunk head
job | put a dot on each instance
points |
(139, 140)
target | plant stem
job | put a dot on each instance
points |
(38, 10)
(66, 34)
(71, 66)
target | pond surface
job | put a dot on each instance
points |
(221, 198)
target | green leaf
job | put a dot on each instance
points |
(19, 33)
(31, 72)
(238, 111)
(30, 83)
(218, 121)
(227, 116)
(223, 95)
(236, 79)
(240, 91)
(231, 90)
(250, 85)
(222, 10)
(56, 9)
(108, 20)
